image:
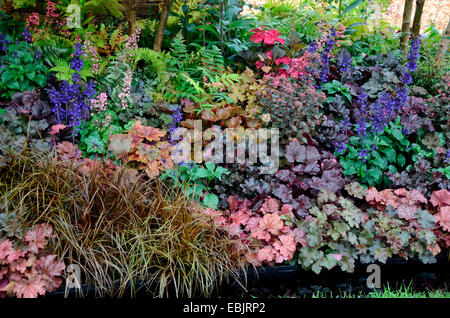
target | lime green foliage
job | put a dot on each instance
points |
(21, 71)
(393, 152)
(64, 72)
(101, 7)
(195, 180)
(24, 3)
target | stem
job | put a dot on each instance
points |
(417, 17)
(406, 24)
(339, 10)
(221, 25)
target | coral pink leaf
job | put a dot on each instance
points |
(440, 198)
(30, 288)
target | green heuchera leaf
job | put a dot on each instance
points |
(426, 236)
(381, 254)
(211, 200)
(94, 143)
(427, 258)
(426, 220)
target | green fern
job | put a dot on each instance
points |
(63, 71)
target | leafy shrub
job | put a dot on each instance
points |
(22, 69)
(25, 123)
(195, 179)
(389, 151)
(294, 106)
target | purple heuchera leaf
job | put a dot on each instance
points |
(301, 153)
(330, 180)
(285, 175)
(312, 168)
(303, 204)
(284, 193)
(330, 164)
(295, 152)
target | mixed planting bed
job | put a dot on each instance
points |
(89, 124)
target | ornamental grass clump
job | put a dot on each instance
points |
(120, 227)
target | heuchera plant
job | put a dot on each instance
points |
(27, 272)
(270, 238)
(145, 146)
(441, 200)
(339, 233)
(308, 173)
(294, 106)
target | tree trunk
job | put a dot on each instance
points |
(162, 25)
(132, 4)
(417, 17)
(339, 9)
(443, 46)
(406, 24)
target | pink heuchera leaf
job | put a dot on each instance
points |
(416, 196)
(234, 229)
(37, 237)
(22, 264)
(282, 60)
(261, 235)
(286, 209)
(434, 249)
(240, 218)
(364, 218)
(338, 257)
(443, 217)
(300, 237)
(5, 249)
(271, 223)
(233, 202)
(401, 192)
(286, 246)
(51, 268)
(381, 199)
(30, 288)
(252, 258)
(270, 205)
(440, 198)
(407, 212)
(56, 128)
(3, 271)
(266, 254)
(252, 224)
(267, 37)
